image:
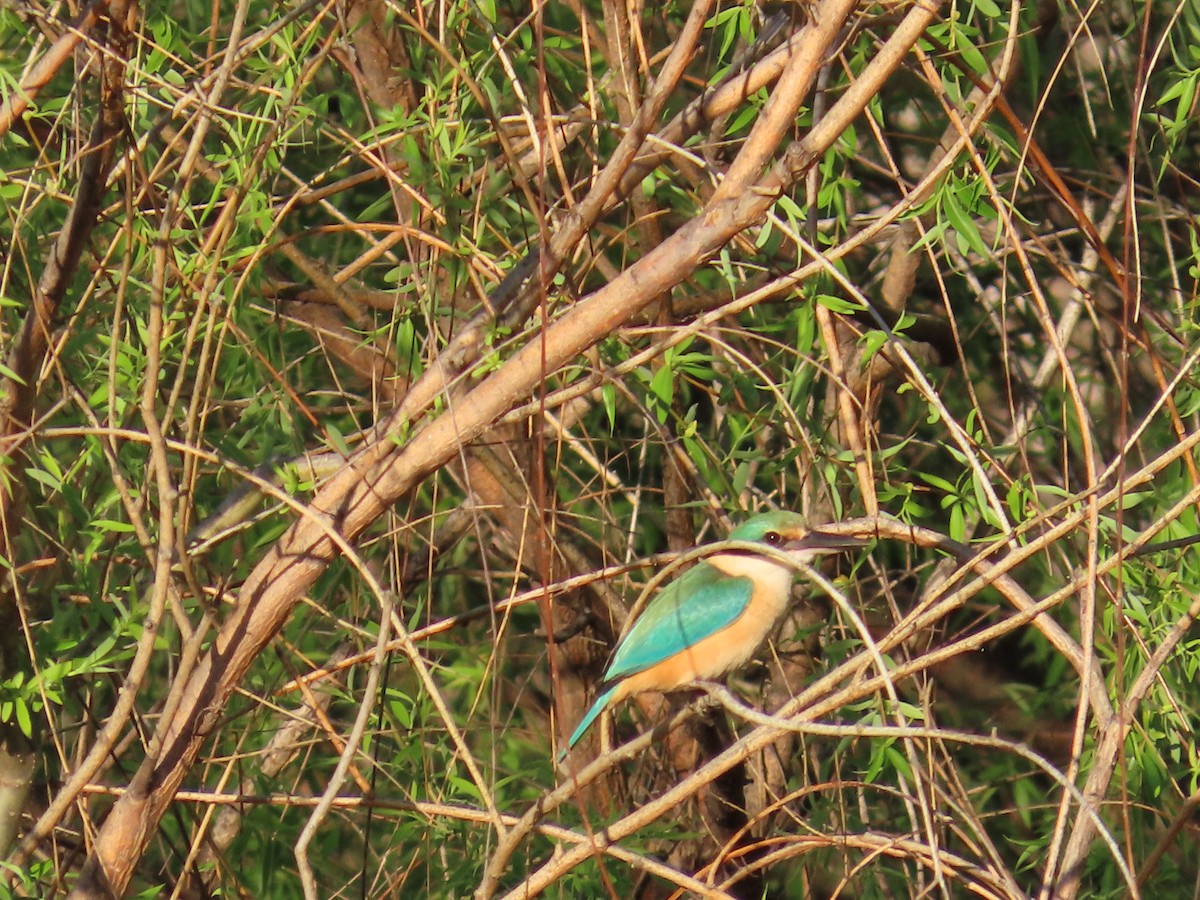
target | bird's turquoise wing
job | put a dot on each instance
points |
(699, 604)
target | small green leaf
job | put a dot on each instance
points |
(872, 342)
(112, 525)
(839, 305)
(608, 395)
(958, 524)
(24, 721)
(336, 439)
(44, 478)
(938, 482)
(964, 226)
(662, 385)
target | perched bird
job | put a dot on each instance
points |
(715, 616)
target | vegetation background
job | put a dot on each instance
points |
(364, 358)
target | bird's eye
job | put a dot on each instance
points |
(774, 538)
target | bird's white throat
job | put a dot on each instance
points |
(766, 573)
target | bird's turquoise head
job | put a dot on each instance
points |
(789, 532)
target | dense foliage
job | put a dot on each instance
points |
(364, 359)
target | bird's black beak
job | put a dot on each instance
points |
(823, 542)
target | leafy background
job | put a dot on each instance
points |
(363, 360)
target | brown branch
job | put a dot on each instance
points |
(19, 386)
(18, 389)
(52, 60)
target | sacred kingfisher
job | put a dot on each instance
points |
(715, 616)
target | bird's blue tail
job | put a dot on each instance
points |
(597, 708)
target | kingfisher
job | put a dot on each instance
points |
(714, 617)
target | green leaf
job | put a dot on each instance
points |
(608, 396)
(336, 439)
(872, 342)
(938, 482)
(662, 385)
(112, 525)
(24, 721)
(969, 238)
(44, 478)
(839, 305)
